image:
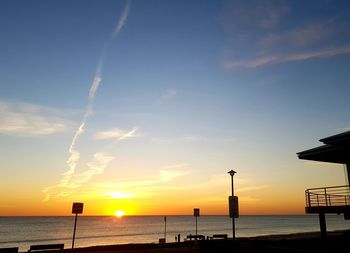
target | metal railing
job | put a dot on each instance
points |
(328, 196)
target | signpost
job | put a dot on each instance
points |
(76, 209)
(196, 214)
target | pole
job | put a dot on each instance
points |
(323, 226)
(165, 228)
(75, 226)
(196, 226)
(233, 218)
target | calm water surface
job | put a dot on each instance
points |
(25, 231)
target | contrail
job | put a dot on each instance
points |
(74, 154)
(122, 20)
(74, 157)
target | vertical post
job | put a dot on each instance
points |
(165, 228)
(196, 213)
(233, 218)
(232, 191)
(348, 173)
(323, 227)
(75, 226)
(345, 200)
(76, 209)
(232, 172)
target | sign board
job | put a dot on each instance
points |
(196, 212)
(77, 208)
(233, 206)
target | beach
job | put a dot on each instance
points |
(143, 232)
(310, 242)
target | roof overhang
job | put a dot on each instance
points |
(335, 150)
(327, 153)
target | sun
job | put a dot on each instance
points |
(119, 213)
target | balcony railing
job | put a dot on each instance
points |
(328, 196)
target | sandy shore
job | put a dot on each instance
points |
(336, 241)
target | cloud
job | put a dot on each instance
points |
(122, 20)
(169, 175)
(163, 176)
(259, 34)
(310, 34)
(96, 167)
(23, 119)
(72, 181)
(117, 134)
(100, 160)
(96, 82)
(119, 195)
(146, 187)
(259, 62)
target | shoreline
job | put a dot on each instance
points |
(294, 242)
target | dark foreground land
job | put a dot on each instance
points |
(337, 241)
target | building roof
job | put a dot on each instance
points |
(335, 150)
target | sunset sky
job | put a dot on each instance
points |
(144, 106)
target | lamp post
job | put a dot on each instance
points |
(232, 173)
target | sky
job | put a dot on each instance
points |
(144, 106)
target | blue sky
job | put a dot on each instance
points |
(180, 93)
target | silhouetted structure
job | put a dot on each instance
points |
(334, 199)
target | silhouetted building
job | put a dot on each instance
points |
(333, 199)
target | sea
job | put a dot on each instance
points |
(103, 230)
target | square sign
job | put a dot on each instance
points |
(233, 206)
(196, 212)
(77, 208)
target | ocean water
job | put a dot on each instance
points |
(25, 231)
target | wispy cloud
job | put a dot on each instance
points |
(23, 119)
(96, 82)
(145, 187)
(75, 154)
(258, 62)
(308, 35)
(122, 20)
(117, 134)
(73, 181)
(69, 179)
(163, 176)
(259, 34)
(119, 195)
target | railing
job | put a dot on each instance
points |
(328, 196)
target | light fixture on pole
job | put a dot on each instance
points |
(233, 205)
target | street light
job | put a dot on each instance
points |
(231, 203)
